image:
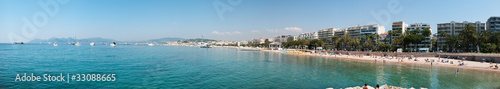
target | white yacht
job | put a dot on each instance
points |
(151, 44)
(55, 43)
(205, 45)
(77, 44)
(92, 43)
(113, 44)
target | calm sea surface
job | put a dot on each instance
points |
(194, 67)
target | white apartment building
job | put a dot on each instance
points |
(309, 35)
(454, 28)
(326, 33)
(360, 30)
(425, 43)
(340, 33)
(399, 28)
(285, 38)
(493, 24)
(259, 41)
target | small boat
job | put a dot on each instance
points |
(18, 42)
(151, 44)
(113, 44)
(55, 43)
(92, 43)
(205, 45)
(77, 44)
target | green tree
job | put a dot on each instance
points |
(315, 43)
(434, 44)
(368, 44)
(334, 41)
(469, 38)
(426, 32)
(452, 42)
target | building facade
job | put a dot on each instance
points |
(385, 38)
(426, 44)
(454, 28)
(309, 36)
(493, 24)
(398, 29)
(360, 30)
(285, 38)
(340, 33)
(326, 33)
(259, 41)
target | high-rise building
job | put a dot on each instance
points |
(285, 38)
(309, 35)
(340, 33)
(426, 44)
(493, 24)
(259, 41)
(326, 33)
(454, 28)
(398, 29)
(385, 38)
(360, 30)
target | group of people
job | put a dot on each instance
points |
(366, 86)
(496, 66)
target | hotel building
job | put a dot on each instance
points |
(326, 33)
(426, 44)
(493, 24)
(259, 41)
(399, 29)
(454, 28)
(360, 30)
(309, 36)
(285, 38)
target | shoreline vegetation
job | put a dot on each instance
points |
(406, 60)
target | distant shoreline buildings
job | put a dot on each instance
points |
(393, 36)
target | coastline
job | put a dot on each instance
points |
(469, 65)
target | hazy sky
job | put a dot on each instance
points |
(233, 20)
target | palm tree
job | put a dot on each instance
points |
(334, 41)
(443, 35)
(469, 37)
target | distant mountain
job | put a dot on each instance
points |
(166, 39)
(65, 40)
(199, 40)
(100, 40)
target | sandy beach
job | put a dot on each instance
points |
(452, 63)
(432, 61)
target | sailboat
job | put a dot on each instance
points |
(92, 43)
(113, 44)
(55, 43)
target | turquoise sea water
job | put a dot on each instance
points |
(194, 67)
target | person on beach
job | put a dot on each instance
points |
(365, 87)
(377, 87)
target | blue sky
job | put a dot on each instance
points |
(126, 20)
